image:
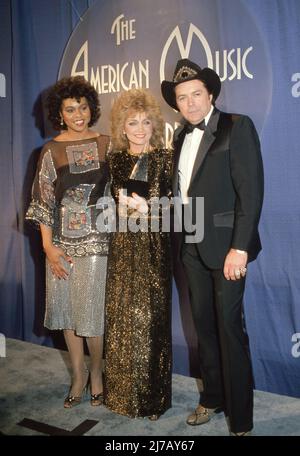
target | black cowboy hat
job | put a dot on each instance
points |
(186, 70)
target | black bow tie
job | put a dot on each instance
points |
(190, 127)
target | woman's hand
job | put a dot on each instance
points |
(140, 203)
(135, 202)
(55, 257)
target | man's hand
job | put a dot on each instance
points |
(235, 265)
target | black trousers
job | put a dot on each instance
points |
(223, 343)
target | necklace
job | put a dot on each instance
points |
(133, 154)
(137, 160)
(145, 150)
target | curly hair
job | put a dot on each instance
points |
(133, 101)
(71, 87)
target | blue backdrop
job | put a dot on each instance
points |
(117, 44)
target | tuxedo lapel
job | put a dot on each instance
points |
(177, 146)
(208, 138)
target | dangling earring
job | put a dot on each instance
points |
(61, 122)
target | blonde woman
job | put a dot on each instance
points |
(138, 299)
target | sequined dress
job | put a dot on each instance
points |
(70, 179)
(138, 303)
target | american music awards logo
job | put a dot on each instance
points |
(123, 44)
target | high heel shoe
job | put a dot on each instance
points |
(96, 399)
(154, 417)
(71, 400)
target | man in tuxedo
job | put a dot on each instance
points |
(217, 157)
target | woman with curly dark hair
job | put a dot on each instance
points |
(138, 294)
(72, 175)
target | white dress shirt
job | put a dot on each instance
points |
(187, 158)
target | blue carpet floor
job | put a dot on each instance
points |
(34, 381)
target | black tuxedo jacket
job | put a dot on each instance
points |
(228, 173)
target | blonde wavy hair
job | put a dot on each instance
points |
(128, 103)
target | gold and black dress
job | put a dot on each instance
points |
(138, 299)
